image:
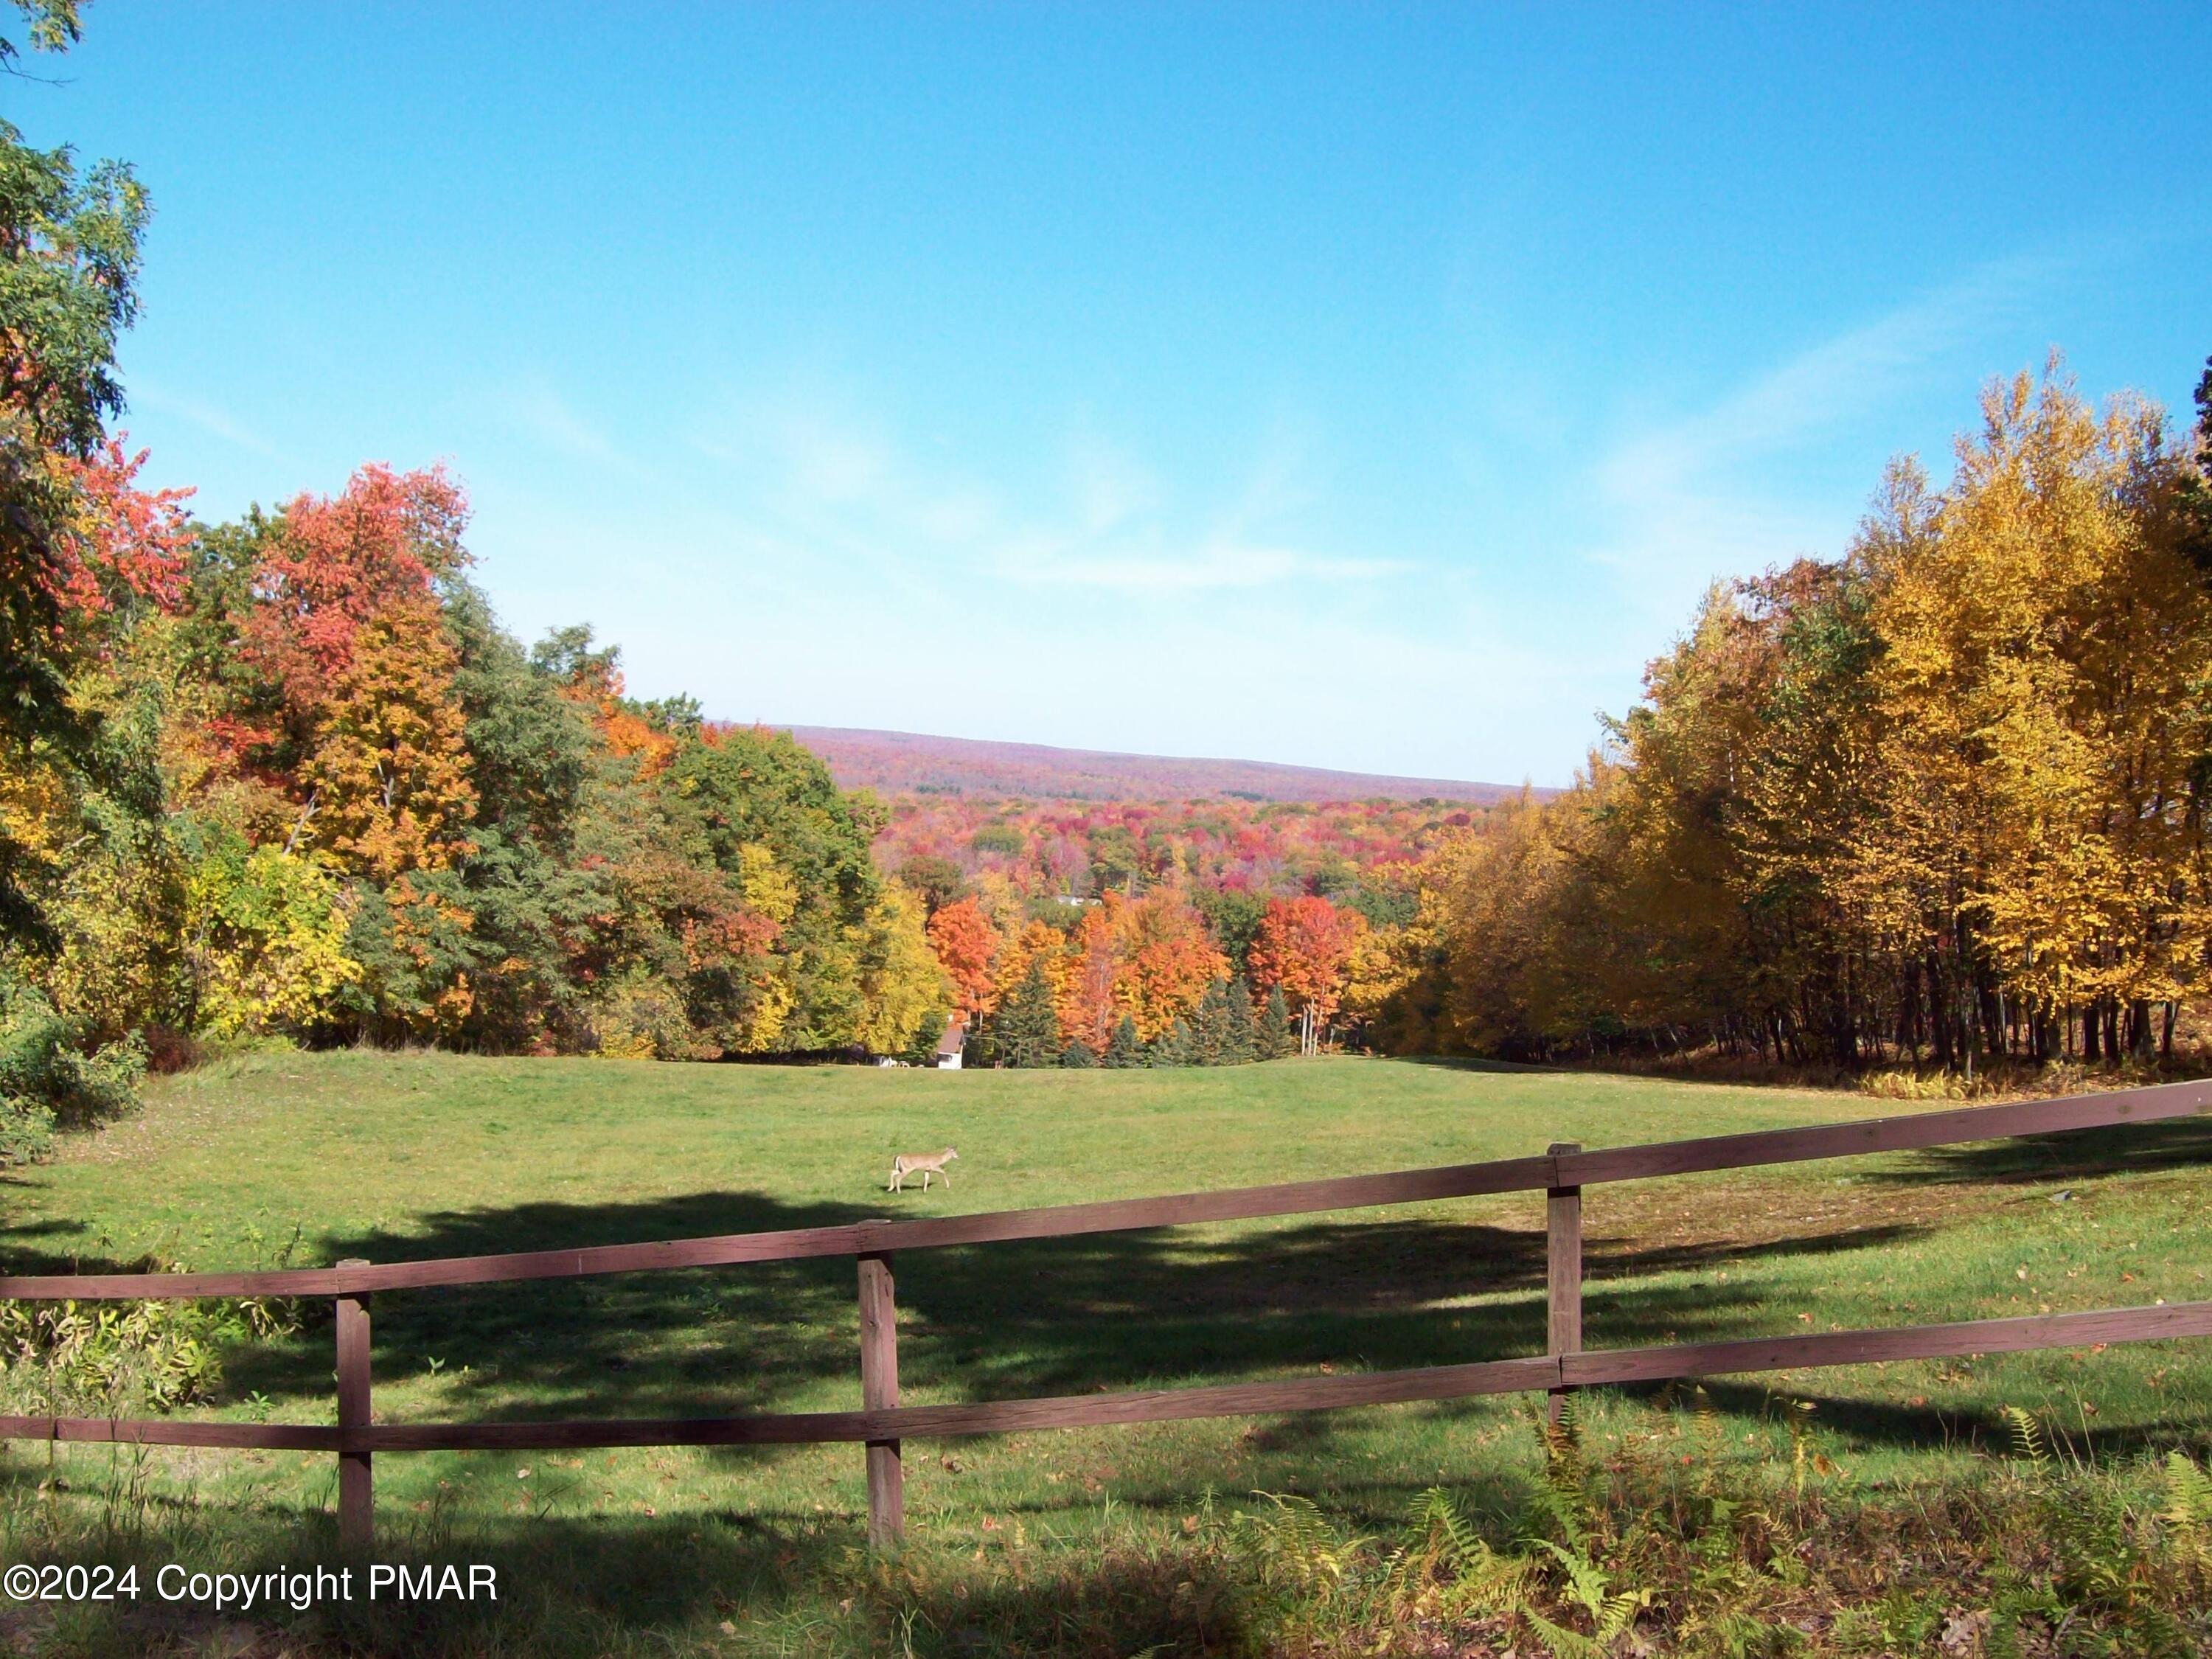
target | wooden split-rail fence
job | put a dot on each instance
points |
(882, 1424)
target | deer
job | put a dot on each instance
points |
(928, 1164)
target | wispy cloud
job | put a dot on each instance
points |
(204, 415)
(843, 490)
(542, 414)
(1702, 497)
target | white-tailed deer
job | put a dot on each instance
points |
(928, 1164)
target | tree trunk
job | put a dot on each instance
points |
(2139, 1043)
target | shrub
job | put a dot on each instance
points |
(112, 1357)
(51, 1074)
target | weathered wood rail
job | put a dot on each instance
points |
(882, 1424)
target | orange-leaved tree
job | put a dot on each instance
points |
(1302, 944)
(966, 944)
(1170, 960)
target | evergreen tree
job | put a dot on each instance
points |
(1078, 1055)
(1209, 1034)
(1123, 1048)
(1273, 1039)
(1174, 1047)
(1242, 1041)
(1027, 1031)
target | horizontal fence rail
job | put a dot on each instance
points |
(883, 1423)
(1542, 1372)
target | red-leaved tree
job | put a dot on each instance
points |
(334, 562)
(1302, 945)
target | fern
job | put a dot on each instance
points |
(2188, 1511)
(1560, 1642)
(1296, 1548)
(1588, 1586)
(1446, 1568)
(1565, 1495)
(2189, 1495)
(2028, 1443)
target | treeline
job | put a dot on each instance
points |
(1355, 854)
(1942, 799)
(1224, 1027)
(335, 800)
(1176, 976)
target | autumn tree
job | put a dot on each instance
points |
(1942, 797)
(69, 271)
(966, 945)
(328, 565)
(904, 991)
(389, 770)
(1302, 945)
(1170, 961)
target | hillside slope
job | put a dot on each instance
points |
(892, 762)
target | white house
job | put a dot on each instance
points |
(950, 1045)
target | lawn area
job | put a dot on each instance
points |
(391, 1157)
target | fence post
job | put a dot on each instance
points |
(879, 1392)
(1563, 1257)
(356, 1500)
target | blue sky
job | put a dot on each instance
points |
(1373, 387)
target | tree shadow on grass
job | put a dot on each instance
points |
(2083, 1154)
(1987, 1429)
(994, 1322)
(1072, 1315)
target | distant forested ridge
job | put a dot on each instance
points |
(892, 762)
(1944, 798)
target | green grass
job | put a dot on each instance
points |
(396, 1156)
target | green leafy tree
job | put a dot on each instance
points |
(1117, 860)
(1079, 1056)
(760, 803)
(937, 880)
(533, 762)
(1233, 918)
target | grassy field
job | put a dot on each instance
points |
(396, 1156)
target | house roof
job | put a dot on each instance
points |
(956, 1035)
